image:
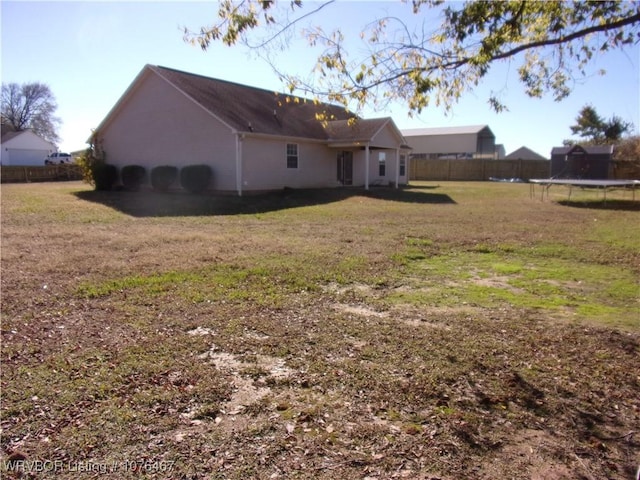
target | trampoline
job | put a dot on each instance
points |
(604, 185)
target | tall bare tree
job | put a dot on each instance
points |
(30, 106)
(550, 44)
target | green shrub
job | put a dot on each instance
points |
(163, 176)
(195, 178)
(132, 176)
(104, 176)
(95, 170)
(85, 161)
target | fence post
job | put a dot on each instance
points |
(520, 169)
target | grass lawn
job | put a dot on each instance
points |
(450, 331)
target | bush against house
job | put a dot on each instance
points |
(163, 176)
(133, 176)
(195, 178)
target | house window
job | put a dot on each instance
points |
(403, 165)
(382, 164)
(292, 155)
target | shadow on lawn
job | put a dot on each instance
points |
(170, 204)
(630, 205)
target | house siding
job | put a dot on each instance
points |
(386, 139)
(264, 165)
(359, 167)
(150, 130)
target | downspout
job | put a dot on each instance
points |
(397, 167)
(366, 167)
(239, 138)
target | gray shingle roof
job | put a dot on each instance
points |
(525, 154)
(590, 149)
(250, 109)
(362, 129)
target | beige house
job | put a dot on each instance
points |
(253, 139)
(473, 141)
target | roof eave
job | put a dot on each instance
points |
(347, 141)
(272, 136)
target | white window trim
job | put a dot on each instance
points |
(297, 155)
(382, 161)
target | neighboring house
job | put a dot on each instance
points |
(588, 162)
(524, 153)
(253, 139)
(474, 141)
(24, 148)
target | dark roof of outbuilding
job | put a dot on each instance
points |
(590, 149)
(250, 109)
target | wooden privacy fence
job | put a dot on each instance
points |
(476, 169)
(47, 173)
(624, 170)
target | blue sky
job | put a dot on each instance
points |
(89, 52)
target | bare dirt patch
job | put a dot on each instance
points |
(359, 310)
(498, 281)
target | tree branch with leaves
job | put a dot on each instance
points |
(551, 42)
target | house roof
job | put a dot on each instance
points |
(251, 110)
(9, 135)
(590, 149)
(255, 110)
(361, 129)
(460, 130)
(7, 132)
(524, 153)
